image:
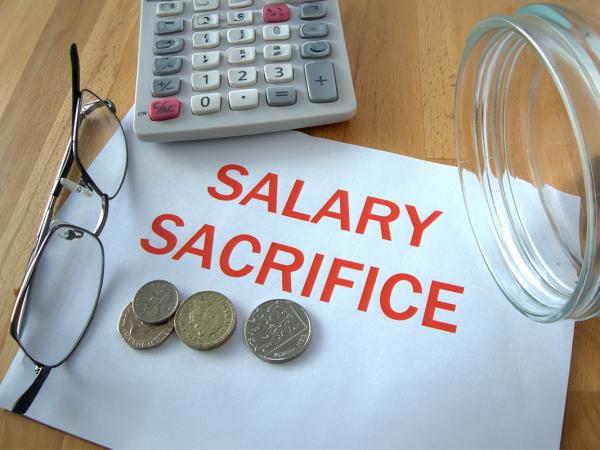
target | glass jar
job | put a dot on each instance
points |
(527, 117)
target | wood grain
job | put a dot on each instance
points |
(404, 55)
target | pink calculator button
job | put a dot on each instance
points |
(278, 12)
(164, 109)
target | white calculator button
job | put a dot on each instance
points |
(241, 55)
(244, 99)
(240, 35)
(206, 60)
(239, 3)
(278, 73)
(206, 103)
(242, 77)
(164, 9)
(206, 81)
(202, 21)
(276, 32)
(206, 39)
(277, 52)
(240, 17)
(205, 5)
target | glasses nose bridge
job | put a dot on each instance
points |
(77, 188)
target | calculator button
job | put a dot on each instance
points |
(205, 5)
(206, 60)
(164, 9)
(206, 81)
(278, 52)
(320, 80)
(281, 96)
(279, 73)
(167, 65)
(202, 21)
(239, 3)
(165, 87)
(243, 99)
(206, 103)
(312, 11)
(276, 32)
(316, 49)
(278, 12)
(240, 35)
(164, 109)
(240, 17)
(168, 26)
(242, 77)
(314, 30)
(241, 55)
(206, 39)
(166, 46)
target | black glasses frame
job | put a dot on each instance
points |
(48, 228)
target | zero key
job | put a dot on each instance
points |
(320, 80)
(164, 109)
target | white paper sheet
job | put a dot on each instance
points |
(367, 380)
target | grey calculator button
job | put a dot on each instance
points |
(164, 87)
(281, 96)
(167, 65)
(320, 80)
(316, 49)
(312, 11)
(314, 30)
(168, 26)
(166, 46)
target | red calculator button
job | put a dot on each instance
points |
(278, 12)
(164, 109)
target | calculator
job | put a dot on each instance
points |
(217, 68)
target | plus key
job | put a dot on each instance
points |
(278, 12)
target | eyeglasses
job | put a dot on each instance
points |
(63, 280)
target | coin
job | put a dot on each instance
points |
(205, 320)
(278, 330)
(140, 335)
(156, 302)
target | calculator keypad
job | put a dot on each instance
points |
(241, 55)
(278, 12)
(215, 57)
(206, 5)
(206, 81)
(164, 109)
(243, 99)
(206, 60)
(206, 103)
(167, 65)
(166, 46)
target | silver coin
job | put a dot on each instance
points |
(156, 302)
(140, 335)
(278, 330)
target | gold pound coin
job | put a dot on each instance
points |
(205, 320)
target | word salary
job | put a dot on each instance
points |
(377, 211)
(281, 261)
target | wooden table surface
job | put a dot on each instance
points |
(404, 56)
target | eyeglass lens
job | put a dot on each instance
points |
(101, 146)
(62, 294)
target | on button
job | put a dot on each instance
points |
(164, 109)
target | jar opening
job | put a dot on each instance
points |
(523, 130)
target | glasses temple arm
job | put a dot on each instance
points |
(74, 82)
(24, 402)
